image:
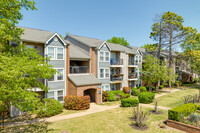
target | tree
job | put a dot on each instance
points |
(155, 70)
(150, 47)
(118, 40)
(21, 68)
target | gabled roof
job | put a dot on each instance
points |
(36, 35)
(75, 53)
(90, 42)
(83, 79)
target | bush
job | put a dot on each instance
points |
(129, 102)
(112, 96)
(135, 91)
(198, 107)
(147, 87)
(50, 107)
(146, 97)
(77, 102)
(119, 93)
(153, 88)
(179, 83)
(196, 80)
(126, 90)
(161, 86)
(126, 96)
(142, 89)
(104, 96)
(187, 82)
(179, 112)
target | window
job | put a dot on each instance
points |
(112, 87)
(101, 56)
(52, 78)
(50, 95)
(107, 56)
(107, 88)
(107, 73)
(101, 73)
(102, 88)
(60, 95)
(140, 59)
(51, 52)
(59, 53)
(60, 74)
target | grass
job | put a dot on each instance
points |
(176, 98)
(115, 120)
(67, 112)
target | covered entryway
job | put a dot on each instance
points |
(91, 93)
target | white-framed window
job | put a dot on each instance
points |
(101, 73)
(106, 56)
(107, 73)
(60, 95)
(59, 76)
(107, 87)
(112, 87)
(60, 52)
(50, 95)
(104, 73)
(51, 52)
(101, 56)
(56, 94)
(140, 59)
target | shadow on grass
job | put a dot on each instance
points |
(36, 127)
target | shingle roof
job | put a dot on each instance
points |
(83, 79)
(91, 42)
(75, 53)
(35, 35)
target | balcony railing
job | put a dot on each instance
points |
(132, 75)
(116, 61)
(131, 62)
(116, 77)
(79, 69)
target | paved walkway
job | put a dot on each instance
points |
(94, 108)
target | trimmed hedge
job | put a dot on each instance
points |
(146, 97)
(51, 107)
(126, 96)
(112, 96)
(129, 102)
(126, 90)
(104, 96)
(142, 89)
(77, 102)
(135, 91)
(181, 111)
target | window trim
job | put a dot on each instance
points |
(104, 56)
(55, 52)
(104, 75)
(55, 76)
(56, 94)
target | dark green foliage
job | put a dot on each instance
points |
(161, 86)
(179, 112)
(118, 40)
(153, 88)
(119, 93)
(112, 96)
(146, 97)
(104, 96)
(198, 107)
(135, 91)
(187, 82)
(142, 89)
(129, 102)
(196, 80)
(49, 108)
(126, 96)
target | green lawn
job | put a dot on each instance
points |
(176, 98)
(66, 112)
(112, 121)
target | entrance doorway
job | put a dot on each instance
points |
(91, 93)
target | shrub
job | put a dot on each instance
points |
(179, 112)
(135, 91)
(146, 97)
(139, 116)
(77, 102)
(196, 80)
(112, 96)
(129, 102)
(104, 96)
(165, 84)
(172, 84)
(142, 89)
(119, 93)
(161, 86)
(198, 107)
(50, 107)
(126, 90)
(179, 83)
(147, 87)
(153, 88)
(126, 96)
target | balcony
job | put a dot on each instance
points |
(116, 61)
(131, 62)
(116, 77)
(79, 69)
(132, 75)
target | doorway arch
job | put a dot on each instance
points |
(91, 93)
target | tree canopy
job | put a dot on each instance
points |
(118, 40)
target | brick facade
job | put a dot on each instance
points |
(93, 61)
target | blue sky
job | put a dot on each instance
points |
(103, 19)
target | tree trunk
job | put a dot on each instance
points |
(157, 86)
(170, 52)
(160, 40)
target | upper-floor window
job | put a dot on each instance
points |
(59, 53)
(104, 56)
(58, 76)
(107, 73)
(104, 73)
(55, 53)
(60, 95)
(101, 73)
(101, 56)
(51, 52)
(140, 59)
